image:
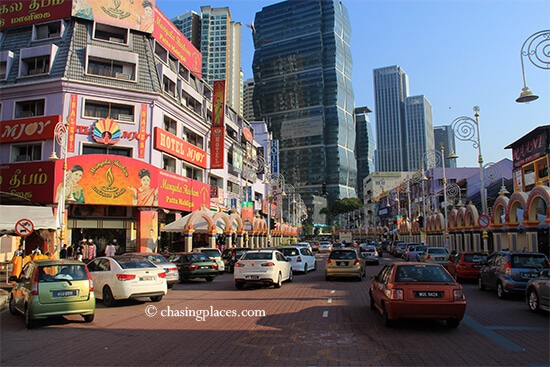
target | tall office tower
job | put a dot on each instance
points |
(248, 108)
(419, 131)
(391, 87)
(190, 25)
(446, 136)
(364, 147)
(302, 71)
(220, 46)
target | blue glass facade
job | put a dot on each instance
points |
(302, 73)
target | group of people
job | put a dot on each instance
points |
(86, 250)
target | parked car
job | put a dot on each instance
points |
(325, 247)
(537, 293)
(398, 249)
(393, 247)
(49, 288)
(404, 290)
(193, 265)
(231, 255)
(420, 249)
(409, 246)
(304, 244)
(301, 258)
(267, 267)
(127, 277)
(172, 275)
(509, 272)
(436, 255)
(314, 246)
(370, 254)
(214, 254)
(345, 263)
(466, 264)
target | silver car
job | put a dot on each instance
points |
(171, 270)
(537, 293)
(437, 255)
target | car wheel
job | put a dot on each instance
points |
(387, 321)
(239, 285)
(305, 268)
(88, 318)
(500, 291)
(480, 285)
(290, 276)
(372, 306)
(209, 279)
(11, 305)
(279, 281)
(533, 300)
(29, 322)
(315, 265)
(170, 286)
(453, 323)
(327, 278)
(156, 298)
(108, 299)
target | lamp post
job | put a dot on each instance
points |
(272, 192)
(467, 129)
(537, 49)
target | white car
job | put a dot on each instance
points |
(301, 258)
(267, 267)
(213, 254)
(171, 270)
(437, 255)
(125, 277)
(304, 244)
(325, 247)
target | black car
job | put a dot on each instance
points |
(231, 255)
(509, 272)
(192, 265)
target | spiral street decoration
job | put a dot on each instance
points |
(537, 49)
(60, 133)
(491, 171)
(453, 190)
(432, 159)
(466, 129)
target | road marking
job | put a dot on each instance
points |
(332, 291)
(325, 313)
(329, 300)
(499, 339)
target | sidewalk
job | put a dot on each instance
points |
(4, 294)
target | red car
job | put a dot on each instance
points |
(405, 290)
(466, 264)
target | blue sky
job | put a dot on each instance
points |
(457, 53)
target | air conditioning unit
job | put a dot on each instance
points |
(26, 114)
(122, 76)
(116, 39)
(125, 117)
(22, 158)
(54, 35)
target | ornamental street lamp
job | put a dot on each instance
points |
(537, 50)
(467, 129)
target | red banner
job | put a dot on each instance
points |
(72, 123)
(142, 131)
(217, 150)
(175, 146)
(15, 13)
(28, 129)
(30, 180)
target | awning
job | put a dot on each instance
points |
(41, 217)
(199, 225)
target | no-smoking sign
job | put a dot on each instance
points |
(24, 227)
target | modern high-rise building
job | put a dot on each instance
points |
(302, 71)
(364, 148)
(220, 46)
(248, 107)
(404, 126)
(446, 136)
(419, 131)
(391, 87)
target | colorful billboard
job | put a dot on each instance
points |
(138, 15)
(16, 13)
(29, 129)
(30, 180)
(171, 38)
(217, 150)
(171, 144)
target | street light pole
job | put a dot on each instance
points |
(61, 132)
(445, 233)
(535, 48)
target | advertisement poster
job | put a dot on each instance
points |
(30, 180)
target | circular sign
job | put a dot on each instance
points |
(247, 134)
(24, 227)
(484, 221)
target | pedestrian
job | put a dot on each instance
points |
(79, 250)
(17, 261)
(110, 250)
(92, 250)
(63, 252)
(70, 251)
(412, 256)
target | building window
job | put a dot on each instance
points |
(190, 102)
(35, 65)
(161, 52)
(168, 163)
(29, 108)
(109, 33)
(233, 187)
(111, 68)
(193, 138)
(169, 86)
(193, 173)
(107, 149)
(48, 30)
(98, 109)
(170, 125)
(26, 152)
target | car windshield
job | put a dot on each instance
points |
(156, 259)
(475, 258)
(289, 251)
(421, 273)
(58, 273)
(211, 253)
(529, 261)
(134, 263)
(198, 257)
(257, 256)
(343, 255)
(437, 250)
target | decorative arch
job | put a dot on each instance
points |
(202, 213)
(224, 218)
(471, 217)
(530, 215)
(453, 219)
(259, 226)
(235, 218)
(518, 200)
(499, 210)
(461, 217)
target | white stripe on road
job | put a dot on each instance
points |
(329, 300)
(325, 313)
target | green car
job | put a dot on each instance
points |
(49, 288)
(192, 265)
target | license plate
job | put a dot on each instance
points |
(252, 277)
(529, 275)
(427, 294)
(61, 294)
(438, 259)
(204, 267)
(147, 278)
(476, 266)
(343, 263)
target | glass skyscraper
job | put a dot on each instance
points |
(302, 72)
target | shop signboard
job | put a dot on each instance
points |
(30, 180)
